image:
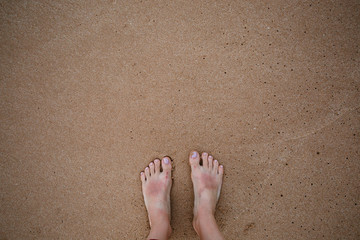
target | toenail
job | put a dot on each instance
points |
(142, 173)
(166, 160)
(194, 155)
(151, 164)
(215, 160)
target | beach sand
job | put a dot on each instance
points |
(91, 92)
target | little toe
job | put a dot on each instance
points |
(152, 168)
(221, 170)
(194, 159)
(157, 166)
(142, 177)
(166, 164)
(210, 160)
(204, 158)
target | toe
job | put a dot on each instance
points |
(147, 173)
(152, 168)
(166, 164)
(157, 166)
(142, 177)
(210, 160)
(221, 170)
(194, 159)
(204, 158)
(216, 166)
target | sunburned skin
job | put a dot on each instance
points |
(156, 185)
(155, 188)
(209, 183)
(207, 179)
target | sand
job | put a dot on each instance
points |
(91, 92)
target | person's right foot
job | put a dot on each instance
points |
(207, 180)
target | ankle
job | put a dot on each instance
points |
(160, 230)
(206, 227)
(201, 217)
(160, 224)
(203, 211)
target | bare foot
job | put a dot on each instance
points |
(207, 180)
(156, 185)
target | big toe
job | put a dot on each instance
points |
(194, 159)
(166, 164)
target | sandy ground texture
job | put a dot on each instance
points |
(92, 91)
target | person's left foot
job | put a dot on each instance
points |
(156, 185)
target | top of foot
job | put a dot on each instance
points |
(156, 184)
(207, 179)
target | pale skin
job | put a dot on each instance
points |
(156, 185)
